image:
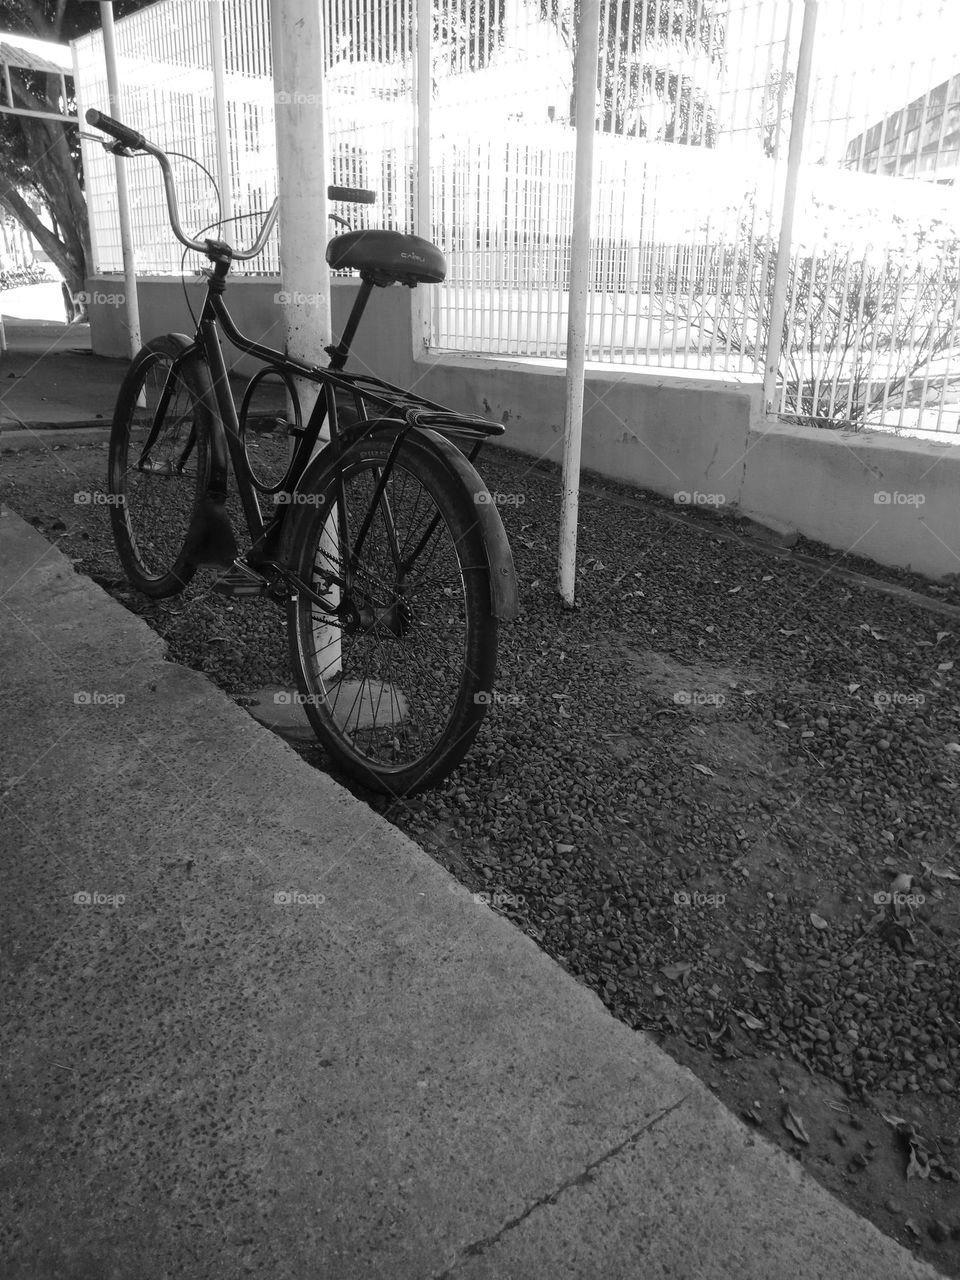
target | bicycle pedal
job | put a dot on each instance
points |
(241, 582)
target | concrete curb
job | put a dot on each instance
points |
(767, 529)
(43, 437)
(298, 1047)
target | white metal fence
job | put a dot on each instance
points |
(165, 58)
(695, 99)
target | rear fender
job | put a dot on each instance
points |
(501, 574)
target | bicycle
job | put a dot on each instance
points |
(384, 546)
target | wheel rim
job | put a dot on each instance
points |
(390, 667)
(158, 490)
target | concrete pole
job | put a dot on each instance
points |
(421, 298)
(778, 306)
(297, 43)
(218, 63)
(131, 305)
(296, 30)
(588, 51)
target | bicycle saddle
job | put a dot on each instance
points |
(387, 257)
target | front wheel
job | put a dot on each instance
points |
(159, 464)
(396, 673)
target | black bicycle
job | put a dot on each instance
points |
(385, 547)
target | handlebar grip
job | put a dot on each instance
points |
(122, 132)
(352, 195)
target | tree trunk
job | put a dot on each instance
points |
(71, 266)
(54, 179)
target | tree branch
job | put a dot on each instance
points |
(34, 16)
(58, 18)
(15, 204)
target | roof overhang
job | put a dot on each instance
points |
(22, 53)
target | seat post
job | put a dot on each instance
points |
(338, 353)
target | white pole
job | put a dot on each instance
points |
(778, 307)
(123, 198)
(588, 52)
(218, 63)
(296, 30)
(423, 89)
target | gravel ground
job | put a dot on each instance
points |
(704, 776)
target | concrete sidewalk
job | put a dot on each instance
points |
(49, 378)
(54, 390)
(373, 1077)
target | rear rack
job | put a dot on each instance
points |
(415, 410)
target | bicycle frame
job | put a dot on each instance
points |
(413, 412)
(394, 404)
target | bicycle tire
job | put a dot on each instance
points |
(151, 510)
(389, 616)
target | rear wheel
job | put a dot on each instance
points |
(159, 464)
(396, 680)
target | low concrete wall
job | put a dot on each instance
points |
(887, 499)
(702, 438)
(664, 431)
(383, 343)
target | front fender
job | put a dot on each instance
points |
(197, 373)
(501, 573)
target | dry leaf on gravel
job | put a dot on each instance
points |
(749, 1021)
(794, 1125)
(941, 873)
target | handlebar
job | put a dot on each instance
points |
(123, 133)
(130, 138)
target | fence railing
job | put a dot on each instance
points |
(696, 101)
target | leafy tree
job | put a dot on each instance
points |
(648, 48)
(646, 51)
(40, 158)
(467, 34)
